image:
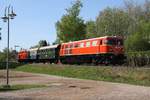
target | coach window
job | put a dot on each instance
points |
(87, 44)
(81, 45)
(47, 51)
(42, 51)
(94, 43)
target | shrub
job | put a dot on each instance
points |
(11, 65)
(140, 58)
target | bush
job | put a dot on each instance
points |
(11, 65)
(137, 42)
(141, 58)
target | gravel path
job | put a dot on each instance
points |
(61, 88)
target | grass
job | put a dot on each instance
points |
(136, 76)
(5, 88)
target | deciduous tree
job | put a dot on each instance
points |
(112, 21)
(91, 29)
(71, 27)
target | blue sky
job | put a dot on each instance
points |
(36, 19)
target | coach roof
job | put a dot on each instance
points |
(48, 47)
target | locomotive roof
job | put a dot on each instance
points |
(92, 39)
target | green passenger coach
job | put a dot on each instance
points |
(48, 54)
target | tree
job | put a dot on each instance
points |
(137, 12)
(71, 27)
(57, 41)
(147, 10)
(112, 21)
(139, 41)
(139, 27)
(12, 55)
(91, 29)
(135, 42)
(2, 56)
(43, 43)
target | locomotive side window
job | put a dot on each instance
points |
(81, 45)
(94, 43)
(71, 45)
(87, 44)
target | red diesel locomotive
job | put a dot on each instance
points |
(101, 50)
(23, 56)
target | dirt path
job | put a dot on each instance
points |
(60, 88)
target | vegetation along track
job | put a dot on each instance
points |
(131, 75)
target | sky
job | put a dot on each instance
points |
(36, 19)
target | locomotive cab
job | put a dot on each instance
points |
(113, 45)
(114, 49)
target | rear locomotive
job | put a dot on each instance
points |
(23, 56)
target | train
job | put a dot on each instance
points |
(101, 50)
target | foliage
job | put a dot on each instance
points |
(12, 65)
(41, 43)
(91, 29)
(139, 41)
(138, 59)
(112, 21)
(2, 56)
(137, 13)
(136, 43)
(12, 55)
(138, 76)
(71, 27)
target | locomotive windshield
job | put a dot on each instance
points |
(113, 42)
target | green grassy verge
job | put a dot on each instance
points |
(19, 87)
(137, 76)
